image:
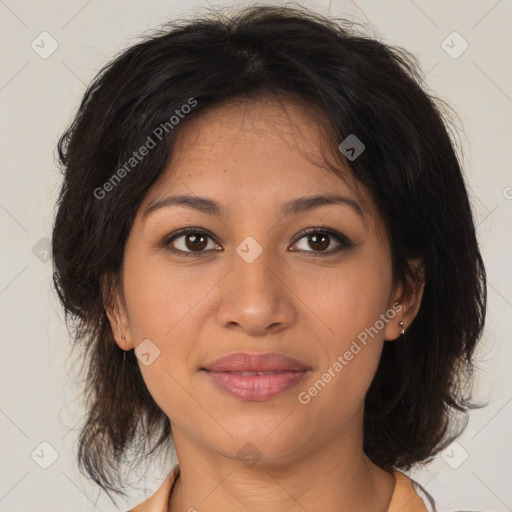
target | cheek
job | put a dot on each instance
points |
(353, 299)
(162, 303)
(352, 307)
(160, 296)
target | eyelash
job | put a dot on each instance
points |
(345, 242)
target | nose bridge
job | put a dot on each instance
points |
(254, 296)
(255, 266)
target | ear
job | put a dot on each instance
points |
(409, 297)
(116, 312)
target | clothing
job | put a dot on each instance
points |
(408, 495)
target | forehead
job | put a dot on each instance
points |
(256, 135)
(263, 150)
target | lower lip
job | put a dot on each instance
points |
(256, 387)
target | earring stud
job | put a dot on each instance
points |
(401, 324)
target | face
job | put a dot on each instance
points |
(251, 278)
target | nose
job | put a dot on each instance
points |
(255, 297)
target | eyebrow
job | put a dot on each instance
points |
(292, 207)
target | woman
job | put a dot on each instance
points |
(266, 241)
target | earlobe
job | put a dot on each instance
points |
(409, 298)
(396, 325)
(119, 328)
(116, 315)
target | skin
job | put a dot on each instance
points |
(251, 158)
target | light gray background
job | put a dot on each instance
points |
(38, 96)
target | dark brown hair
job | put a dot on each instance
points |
(409, 165)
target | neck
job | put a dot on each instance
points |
(319, 480)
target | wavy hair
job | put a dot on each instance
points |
(410, 166)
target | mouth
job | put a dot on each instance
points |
(256, 386)
(255, 377)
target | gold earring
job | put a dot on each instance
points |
(401, 324)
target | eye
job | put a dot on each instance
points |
(190, 242)
(193, 242)
(321, 238)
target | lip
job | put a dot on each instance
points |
(263, 362)
(256, 387)
(256, 377)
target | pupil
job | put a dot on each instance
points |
(196, 241)
(315, 238)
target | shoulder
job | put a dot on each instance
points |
(159, 500)
(409, 496)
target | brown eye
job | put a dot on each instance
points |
(319, 242)
(195, 242)
(320, 239)
(189, 241)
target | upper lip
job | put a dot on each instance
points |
(245, 362)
